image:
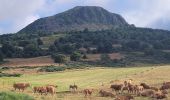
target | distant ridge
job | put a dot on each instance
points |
(77, 19)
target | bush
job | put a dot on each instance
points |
(14, 96)
(52, 69)
(9, 75)
(59, 58)
(84, 56)
(75, 56)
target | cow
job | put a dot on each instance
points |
(145, 86)
(165, 86)
(131, 88)
(159, 95)
(128, 97)
(105, 93)
(165, 83)
(51, 89)
(73, 87)
(87, 92)
(21, 86)
(138, 88)
(42, 90)
(154, 88)
(146, 93)
(117, 87)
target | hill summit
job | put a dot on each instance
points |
(77, 19)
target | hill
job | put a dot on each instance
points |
(77, 19)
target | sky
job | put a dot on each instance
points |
(16, 14)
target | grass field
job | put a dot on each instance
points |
(88, 78)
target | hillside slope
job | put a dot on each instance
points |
(76, 19)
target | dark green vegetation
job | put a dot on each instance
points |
(59, 58)
(77, 19)
(14, 96)
(1, 56)
(138, 45)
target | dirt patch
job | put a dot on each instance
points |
(38, 61)
(95, 57)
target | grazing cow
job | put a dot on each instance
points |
(42, 90)
(50, 89)
(131, 88)
(159, 95)
(128, 97)
(165, 86)
(154, 88)
(164, 91)
(138, 88)
(145, 86)
(73, 87)
(116, 87)
(124, 88)
(165, 83)
(104, 93)
(146, 93)
(35, 89)
(21, 86)
(88, 92)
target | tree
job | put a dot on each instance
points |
(31, 51)
(8, 50)
(59, 58)
(75, 56)
(39, 41)
(84, 56)
(1, 56)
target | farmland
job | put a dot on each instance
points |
(87, 78)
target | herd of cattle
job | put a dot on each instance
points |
(122, 91)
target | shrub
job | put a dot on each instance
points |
(75, 56)
(9, 75)
(14, 96)
(52, 69)
(59, 58)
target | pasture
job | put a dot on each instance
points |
(91, 78)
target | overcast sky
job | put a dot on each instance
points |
(16, 14)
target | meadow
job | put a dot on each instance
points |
(91, 78)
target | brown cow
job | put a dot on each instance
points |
(159, 95)
(131, 88)
(88, 92)
(116, 87)
(165, 86)
(21, 86)
(105, 93)
(42, 90)
(128, 97)
(146, 93)
(35, 89)
(145, 86)
(50, 89)
(138, 88)
(154, 88)
(165, 83)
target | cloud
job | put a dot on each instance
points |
(147, 13)
(16, 14)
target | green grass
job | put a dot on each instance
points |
(88, 78)
(83, 78)
(14, 96)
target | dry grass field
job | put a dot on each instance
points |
(46, 60)
(88, 78)
(38, 61)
